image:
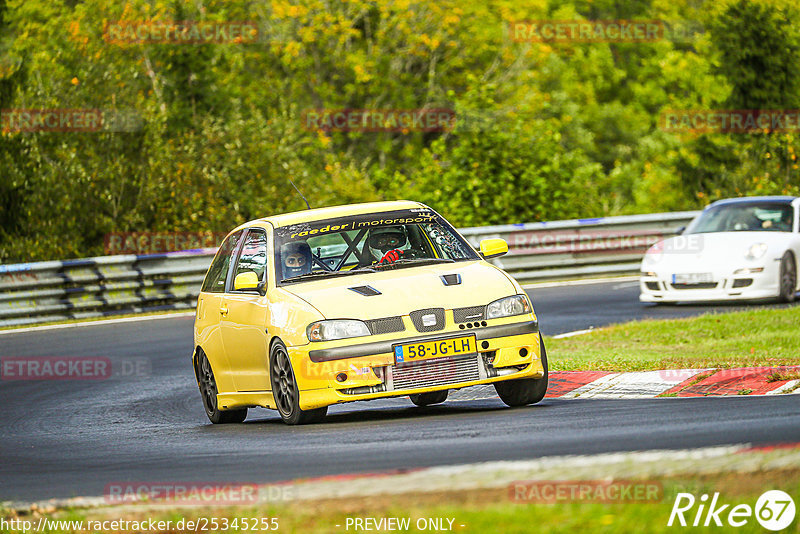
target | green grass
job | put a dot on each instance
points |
(492, 510)
(764, 337)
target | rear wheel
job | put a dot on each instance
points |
(788, 281)
(425, 399)
(524, 391)
(285, 392)
(208, 391)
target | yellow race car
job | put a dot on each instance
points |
(304, 310)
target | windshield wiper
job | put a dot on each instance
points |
(361, 270)
(413, 262)
(323, 274)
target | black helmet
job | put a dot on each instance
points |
(295, 259)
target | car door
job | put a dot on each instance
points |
(244, 317)
(210, 302)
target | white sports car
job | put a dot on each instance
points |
(736, 249)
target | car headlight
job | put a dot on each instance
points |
(756, 251)
(336, 329)
(506, 307)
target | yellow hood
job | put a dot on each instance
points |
(405, 290)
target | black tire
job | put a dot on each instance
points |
(285, 392)
(788, 279)
(426, 399)
(208, 391)
(524, 391)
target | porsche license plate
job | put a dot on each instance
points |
(692, 278)
(427, 350)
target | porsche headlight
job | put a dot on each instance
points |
(756, 251)
(336, 329)
(506, 307)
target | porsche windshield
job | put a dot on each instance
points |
(744, 217)
(366, 243)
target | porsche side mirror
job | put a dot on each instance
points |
(680, 230)
(493, 248)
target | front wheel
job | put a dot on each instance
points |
(524, 391)
(425, 399)
(285, 392)
(788, 280)
(208, 391)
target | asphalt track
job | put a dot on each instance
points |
(72, 438)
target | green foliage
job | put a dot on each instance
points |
(543, 130)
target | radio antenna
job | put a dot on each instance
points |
(301, 194)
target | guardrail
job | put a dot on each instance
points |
(109, 285)
(580, 247)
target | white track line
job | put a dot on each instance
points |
(96, 323)
(574, 333)
(536, 285)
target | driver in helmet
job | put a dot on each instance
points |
(385, 244)
(295, 259)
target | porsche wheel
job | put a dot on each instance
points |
(285, 392)
(426, 399)
(524, 391)
(208, 391)
(788, 280)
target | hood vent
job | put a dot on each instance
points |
(451, 279)
(366, 291)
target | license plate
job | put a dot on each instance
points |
(427, 350)
(692, 278)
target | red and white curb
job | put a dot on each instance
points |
(648, 384)
(672, 383)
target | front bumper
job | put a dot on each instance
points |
(726, 285)
(507, 349)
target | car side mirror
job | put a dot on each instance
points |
(493, 248)
(680, 230)
(248, 281)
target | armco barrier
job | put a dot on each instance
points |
(94, 287)
(109, 285)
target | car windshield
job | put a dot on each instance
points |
(366, 243)
(744, 217)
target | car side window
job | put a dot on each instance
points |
(253, 257)
(217, 273)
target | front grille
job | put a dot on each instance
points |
(742, 282)
(437, 372)
(386, 325)
(473, 313)
(703, 285)
(652, 286)
(416, 318)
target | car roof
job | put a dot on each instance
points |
(318, 214)
(747, 200)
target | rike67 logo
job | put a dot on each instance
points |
(774, 510)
